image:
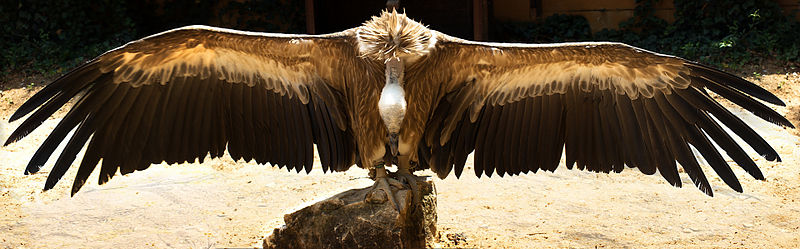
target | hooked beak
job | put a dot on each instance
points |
(393, 143)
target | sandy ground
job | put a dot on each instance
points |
(222, 203)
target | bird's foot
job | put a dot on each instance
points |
(406, 177)
(384, 182)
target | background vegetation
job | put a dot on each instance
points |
(50, 36)
(726, 33)
(42, 35)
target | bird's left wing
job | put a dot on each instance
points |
(607, 104)
(186, 93)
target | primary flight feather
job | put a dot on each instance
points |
(393, 91)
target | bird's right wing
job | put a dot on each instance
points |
(518, 106)
(183, 94)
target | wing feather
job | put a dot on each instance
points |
(500, 138)
(513, 140)
(106, 131)
(667, 167)
(611, 127)
(606, 105)
(259, 115)
(556, 117)
(191, 92)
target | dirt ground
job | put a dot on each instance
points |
(222, 203)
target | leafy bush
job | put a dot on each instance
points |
(273, 16)
(41, 35)
(555, 28)
(47, 36)
(726, 33)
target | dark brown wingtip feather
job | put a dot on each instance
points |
(88, 163)
(735, 82)
(693, 135)
(755, 107)
(51, 142)
(52, 98)
(698, 99)
(38, 117)
(69, 153)
(715, 131)
(82, 75)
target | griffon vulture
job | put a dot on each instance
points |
(393, 91)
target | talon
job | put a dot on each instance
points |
(411, 180)
(383, 182)
(395, 183)
(404, 174)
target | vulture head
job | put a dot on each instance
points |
(393, 35)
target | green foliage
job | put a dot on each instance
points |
(40, 35)
(555, 28)
(48, 36)
(273, 16)
(152, 17)
(722, 32)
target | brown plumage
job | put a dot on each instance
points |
(184, 94)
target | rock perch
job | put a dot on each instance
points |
(360, 218)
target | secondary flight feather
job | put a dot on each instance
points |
(393, 91)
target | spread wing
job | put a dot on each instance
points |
(607, 104)
(194, 91)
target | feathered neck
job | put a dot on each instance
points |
(393, 35)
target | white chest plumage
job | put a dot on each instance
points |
(392, 104)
